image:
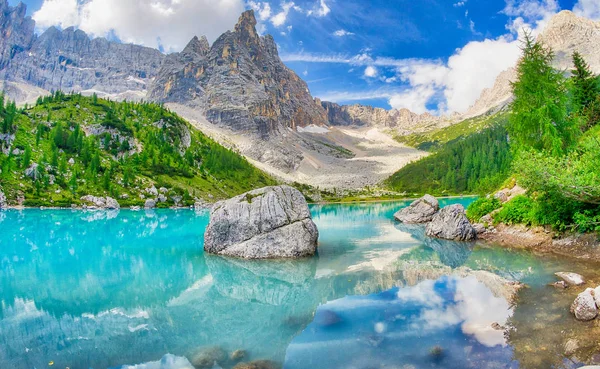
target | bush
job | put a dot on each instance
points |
(517, 211)
(481, 207)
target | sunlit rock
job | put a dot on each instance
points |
(420, 211)
(272, 222)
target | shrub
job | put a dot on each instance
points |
(517, 211)
(481, 207)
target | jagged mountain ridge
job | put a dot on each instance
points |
(239, 82)
(70, 61)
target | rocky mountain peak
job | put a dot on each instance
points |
(246, 28)
(197, 46)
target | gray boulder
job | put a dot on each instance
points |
(272, 222)
(150, 204)
(3, 200)
(420, 211)
(451, 223)
(112, 203)
(584, 307)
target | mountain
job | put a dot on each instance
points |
(240, 82)
(70, 61)
(399, 121)
(565, 33)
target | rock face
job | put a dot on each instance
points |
(240, 82)
(3, 200)
(69, 60)
(584, 307)
(420, 211)
(272, 222)
(451, 223)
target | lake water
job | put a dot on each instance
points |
(135, 290)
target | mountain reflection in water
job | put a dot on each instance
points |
(103, 289)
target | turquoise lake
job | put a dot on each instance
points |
(134, 290)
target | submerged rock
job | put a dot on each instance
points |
(272, 222)
(584, 307)
(420, 211)
(207, 357)
(573, 279)
(238, 355)
(451, 223)
(258, 364)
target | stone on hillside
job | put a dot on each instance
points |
(272, 222)
(152, 191)
(451, 223)
(3, 201)
(420, 211)
(33, 172)
(150, 204)
(573, 279)
(502, 196)
(99, 202)
(584, 307)
(71, 161)
(162, 198)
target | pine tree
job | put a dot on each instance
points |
(585, 86)
(27, 157)
(539, 110)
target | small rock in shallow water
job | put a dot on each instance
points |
(571, 346)
(572, 279)
(560, 285)
(258, 364)
(207, 357)
(584, 307)
(237, 355)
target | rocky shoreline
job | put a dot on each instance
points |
(538, 239)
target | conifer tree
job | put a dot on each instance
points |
(585, 86)
(539, 110)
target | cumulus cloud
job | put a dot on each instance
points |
(371, 72)
(149, 23)
(529, 15)
(588, 8)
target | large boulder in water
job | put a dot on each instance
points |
(420, 211)
(272, 222)
(584, 307)
(451, 223)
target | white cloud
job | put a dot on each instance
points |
(588, 8)
(529, 15)
(414, 99)
(144, 22)
(371, 72)
(342, 33)
(460, 4)
(280, 18)
(323, 9)
(262, 10)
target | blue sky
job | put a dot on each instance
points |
(426, 55)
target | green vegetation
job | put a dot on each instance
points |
(68, 146)
(436, 139)
(477, 163)
(555, 138)
(482, 206)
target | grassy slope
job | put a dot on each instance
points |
(159, 155)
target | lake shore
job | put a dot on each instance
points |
(538, 239)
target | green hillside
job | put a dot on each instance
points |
(68, 146)
(470, 157)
